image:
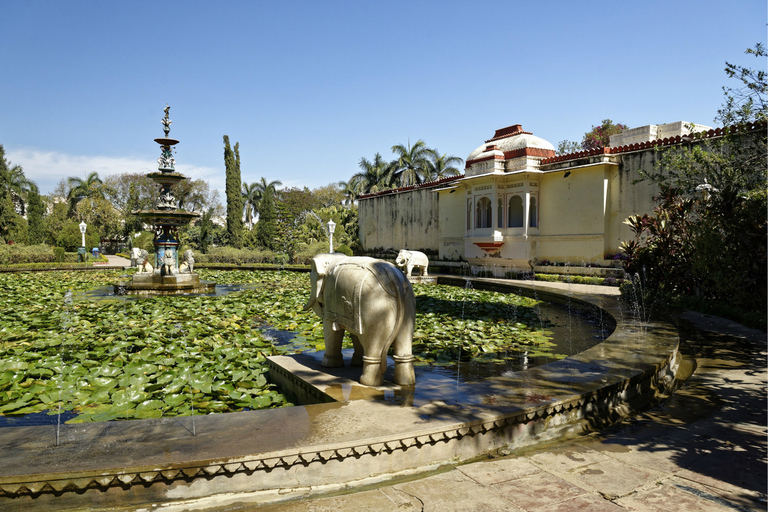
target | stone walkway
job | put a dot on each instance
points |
(702, 450)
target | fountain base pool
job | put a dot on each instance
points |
(156, 284)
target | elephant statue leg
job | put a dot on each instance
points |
(357, 357)
(373, 370)
(333, 336)
(403, 356)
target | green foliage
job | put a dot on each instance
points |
(413, 164)
(456, 323)
(35, 213)
(18, 230)
(170, 356)
(748, 102)
(230, 255)
(706, 242)
(234, 194)
(599, 136)
(306, 252)
(138, 359)
(70, 238)
(266, 232)
(343, 249)
(80, 189)
(565, 147)
(7, 208)
(17, 253)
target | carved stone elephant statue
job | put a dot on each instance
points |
(374, 302)
(188, 267)
(137, 256)
(412, 259)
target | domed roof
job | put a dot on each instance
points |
(507, 139)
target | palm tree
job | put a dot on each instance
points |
(257, 191)
(412, 163)
(20, 187)
(80, 189)
(349, 190)
(251, 197)
(374, 176)
(442, 166)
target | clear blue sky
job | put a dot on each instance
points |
(310, 87)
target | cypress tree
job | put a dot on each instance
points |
(234, 194)
(35, 217)
(266, 228)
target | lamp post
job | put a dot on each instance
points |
(331, 228)
(83, 225)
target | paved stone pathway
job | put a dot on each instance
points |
(702, 450)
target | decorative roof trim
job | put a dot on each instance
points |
(515, 153)
(670, 141)
(509, 131)
(428, 184)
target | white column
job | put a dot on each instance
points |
(527, 213)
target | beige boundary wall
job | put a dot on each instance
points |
(404, 220)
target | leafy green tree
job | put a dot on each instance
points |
(718, 213)
(206, 229)
(55, 221)
(565, 147)
(412, 164)
(748, 102)
(599, 136)
(234, 196)
(35, 213)
(7, 208)
(266, 228)
(70, 237)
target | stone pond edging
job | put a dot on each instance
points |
(294, 452)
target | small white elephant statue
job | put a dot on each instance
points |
(412, 259)
(188, 267)
(137, 256)
(374, 302)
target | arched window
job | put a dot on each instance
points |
(515, 212)
(500, 214)
(532, 216)
(483, 213)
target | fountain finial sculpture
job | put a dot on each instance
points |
(165, 219)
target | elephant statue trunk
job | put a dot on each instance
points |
(372, 300)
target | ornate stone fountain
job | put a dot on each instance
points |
(166, 277)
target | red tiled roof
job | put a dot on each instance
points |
(509, 131)
(428, 184)
(671, 141)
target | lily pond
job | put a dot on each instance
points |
(62, 351)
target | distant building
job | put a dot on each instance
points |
(518, 203)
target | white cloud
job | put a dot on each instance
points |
(47, 168)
